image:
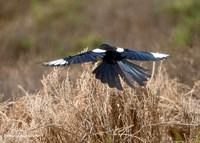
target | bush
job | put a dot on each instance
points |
(89, 111)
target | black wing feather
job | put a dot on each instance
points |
(104, 74)
(108, 73)
(125, 76)
(138, 55)
(99, 70)
(117, 80)
(111, 80)
(89, 56)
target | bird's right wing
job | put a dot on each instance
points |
(142, 56)
(89, 56)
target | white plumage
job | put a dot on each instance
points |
(99, 51)
(160, 55)
(56, 62)
(120, 49)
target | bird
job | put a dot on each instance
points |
(115, 63)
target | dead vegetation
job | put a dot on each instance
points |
(89, 111)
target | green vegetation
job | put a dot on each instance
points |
(186, 15)
(176, 134)
(60, 19)
(54, 11)
(26, 43)
(20, 46)
(90, 41)
(197, 138)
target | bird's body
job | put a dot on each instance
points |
(112, 56)
(114, 64)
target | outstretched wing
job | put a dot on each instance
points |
(142, 56)
(89, 56)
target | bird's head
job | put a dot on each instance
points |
(104, 46)
(107, 47)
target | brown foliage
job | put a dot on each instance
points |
(89, 111)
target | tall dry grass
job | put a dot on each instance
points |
(89, 111)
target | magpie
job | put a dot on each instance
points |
(115, 63)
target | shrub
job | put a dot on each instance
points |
(89, 111)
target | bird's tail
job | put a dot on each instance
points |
(130, 72)
(109, 73)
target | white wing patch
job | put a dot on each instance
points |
(99, 51)
(159, 55)
(120, 49)
(56, 62)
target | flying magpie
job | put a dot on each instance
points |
(114, 64)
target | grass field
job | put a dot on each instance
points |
(43, 104)
(86, 110)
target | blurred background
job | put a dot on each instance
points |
(33, 31)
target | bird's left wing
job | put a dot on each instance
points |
(141, 56)
(89, 56)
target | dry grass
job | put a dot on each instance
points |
(88, 111)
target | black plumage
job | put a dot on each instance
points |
(114, 64)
